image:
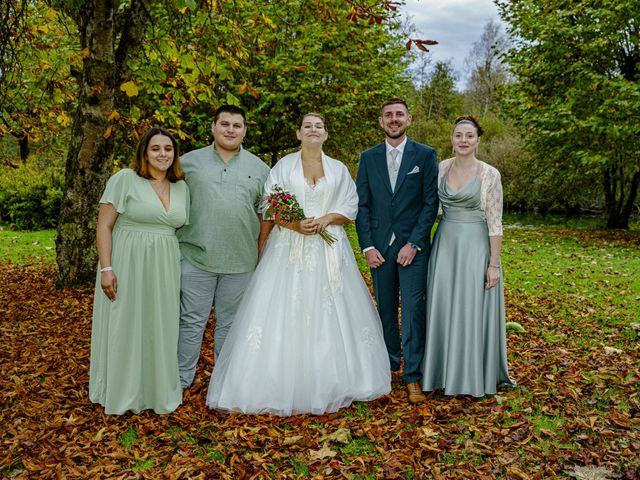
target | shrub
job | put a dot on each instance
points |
(30, 195)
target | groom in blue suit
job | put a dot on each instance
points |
(397, 186)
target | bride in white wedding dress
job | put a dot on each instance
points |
(307, 337)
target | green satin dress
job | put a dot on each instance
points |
(465, 351)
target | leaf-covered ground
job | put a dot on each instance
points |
(574, 414)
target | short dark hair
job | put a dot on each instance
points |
(229, 109)
(469, 119)
(394, 101)
(141, 162)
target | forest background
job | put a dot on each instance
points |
(558, 95)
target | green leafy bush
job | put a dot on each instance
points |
(31, 195)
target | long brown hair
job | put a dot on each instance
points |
(141, 162)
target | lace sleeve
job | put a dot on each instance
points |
(492, 199)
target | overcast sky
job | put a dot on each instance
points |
(455, 24)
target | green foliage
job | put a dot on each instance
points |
(39, 91)
(515, 327)
(279, 60)
(435, 104)
(531, 183)
(30, 195)
(343, 69)
(578, 86)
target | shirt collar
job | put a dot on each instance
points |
(400, 147)
(217, 155)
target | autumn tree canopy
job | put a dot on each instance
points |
(149, 63)
(577, 91)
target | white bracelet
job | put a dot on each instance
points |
(106, 269)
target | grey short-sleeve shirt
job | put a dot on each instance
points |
(222, 235)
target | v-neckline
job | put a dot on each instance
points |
(453, 192)
(168, 207)
(313, 186)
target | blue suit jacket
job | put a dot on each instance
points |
(410, 210)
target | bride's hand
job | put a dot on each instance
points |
(304, 227)
(320, 224)
(307, 226)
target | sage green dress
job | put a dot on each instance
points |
(465, 351)
(134, 340)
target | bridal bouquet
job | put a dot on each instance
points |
(283, 206)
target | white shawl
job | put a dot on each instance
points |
(341, 197)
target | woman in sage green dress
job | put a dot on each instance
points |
(134, 337)
(465, 351)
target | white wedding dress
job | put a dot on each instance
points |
(307, 337)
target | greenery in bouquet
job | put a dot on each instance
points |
(283, 207)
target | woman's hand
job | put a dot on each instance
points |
(320, 224)
(493, 275)
(109, 284)
(303, 227)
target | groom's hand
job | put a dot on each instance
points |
(406, 255)
(373, 257)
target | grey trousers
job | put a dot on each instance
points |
(199, 291)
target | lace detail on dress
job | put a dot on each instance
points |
(368, 338)
(254, 338)
(490, 194)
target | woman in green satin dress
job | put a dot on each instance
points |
(134, 334)
(465, 351)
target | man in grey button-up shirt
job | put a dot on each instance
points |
(219, 246)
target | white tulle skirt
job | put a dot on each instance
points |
(307, 337)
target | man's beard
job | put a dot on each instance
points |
(399, 134)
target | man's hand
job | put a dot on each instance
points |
(406, 255)
(373, 257)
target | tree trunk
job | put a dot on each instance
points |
(23, 143)
(89, 160)
(618, 207)
(24, 148)
(90, 157)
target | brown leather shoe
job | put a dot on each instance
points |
(415, 393)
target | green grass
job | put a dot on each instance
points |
(359, 446)
(575, 291)
(144, 464)
(23, 247)
(300, 467)
(586, 276)
(129, 437)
